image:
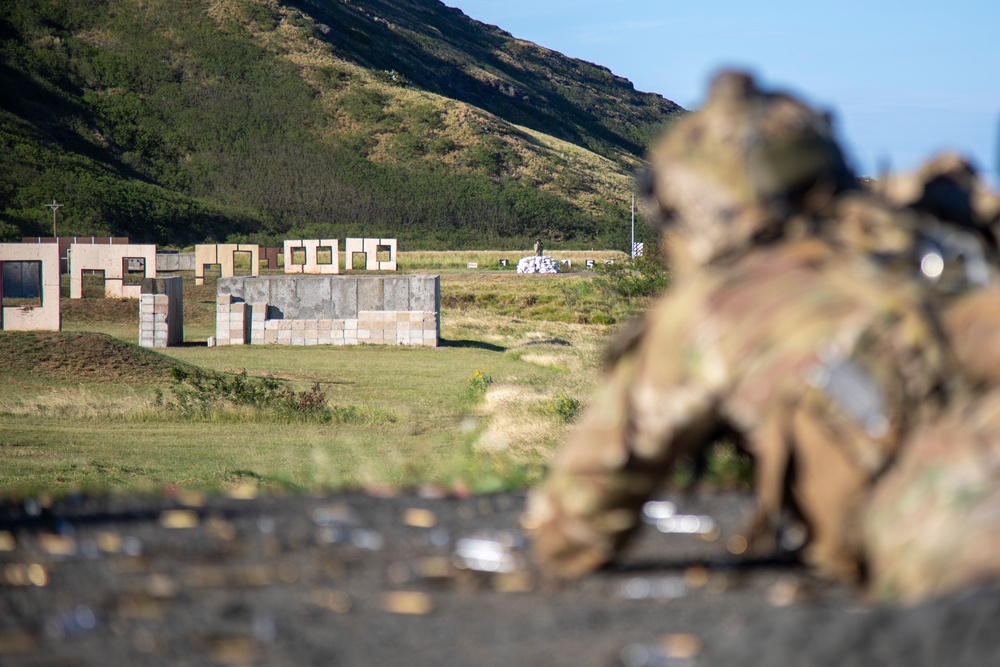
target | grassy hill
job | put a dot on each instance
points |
(177, 122)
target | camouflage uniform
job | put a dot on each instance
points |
(792, 348)
(808, 353)
(933, 522)
(957, 215)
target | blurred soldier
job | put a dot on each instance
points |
(539, 250)
(956, 218)
(933, 522)
(778, 332)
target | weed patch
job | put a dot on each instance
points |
(205, 394)
(644, 277)
(566, 407)
(478, 383)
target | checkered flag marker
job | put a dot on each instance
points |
(637, 250)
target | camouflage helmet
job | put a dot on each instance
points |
(948, 187)
(743, 165)
(955, 219)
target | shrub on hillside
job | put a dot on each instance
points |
(198, 393)
(644, 277)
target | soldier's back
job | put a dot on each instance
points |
(797, 349)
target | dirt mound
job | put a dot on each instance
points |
(99, 310)
(80, 356)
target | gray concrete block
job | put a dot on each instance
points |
(370, 293)
(396, 293)
(282, 297)
(313, 298)
(344, 297)
(229, 286)
(425, 293)
(255, 289)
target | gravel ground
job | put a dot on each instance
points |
(361, 579)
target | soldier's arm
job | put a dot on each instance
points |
(971, 323)
(639, 424)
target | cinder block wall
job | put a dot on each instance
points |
(161, 312)
(174, 261)
(329, 310)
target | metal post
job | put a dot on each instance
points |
(54, 206)
(632, 247)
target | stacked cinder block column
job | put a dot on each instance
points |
(161, 312)
(233, 324)
(257, 317)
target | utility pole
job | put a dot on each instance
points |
(632, 247)
(55, 206)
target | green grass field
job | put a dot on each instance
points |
(86, 409)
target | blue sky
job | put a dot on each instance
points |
(903, 79)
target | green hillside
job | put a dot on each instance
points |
(178, 121)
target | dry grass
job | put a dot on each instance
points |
(79, 408)
(436, 260)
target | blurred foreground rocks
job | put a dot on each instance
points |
(417, 579)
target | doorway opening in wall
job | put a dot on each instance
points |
(242, 263)
(298, 256)
(383, 253)
(212, 271)
(133, 270)
(21, 284)
(324, 254)
(92, 283)
(359, 260)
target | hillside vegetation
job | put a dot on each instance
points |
(183, 121)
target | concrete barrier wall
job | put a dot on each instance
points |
(46, 317)
(64, 242)
(391, 310)
(222, 254)
(175, 261)
(370, 247)
(109, 259)
(311, 249)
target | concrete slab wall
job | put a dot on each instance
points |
(65, 242)
(222, 254)
(110, 259)
(46, 317)
(369, 246)
(174, 261)
(311, 248)
(329, 310)
(232, 321)
(161, 312)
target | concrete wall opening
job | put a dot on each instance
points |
(92, 283)
(211, 271)
(324, 254)
(383, 253)
(242, 263)
(298, 256)
(21, 284)
(359, 260)
(133, 270)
